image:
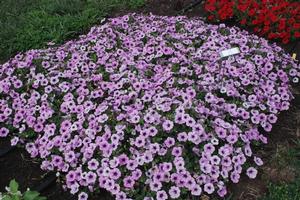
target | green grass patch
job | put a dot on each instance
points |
(283, 191)
(287, 191)
(30, 24)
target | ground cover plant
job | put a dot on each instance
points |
(276, 19)
(145, 107)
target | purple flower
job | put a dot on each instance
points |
(209, 148)
(3, 132)
(69, 156)
(196, 190)
(221, 132)
(128, 182)
(155, 186)
(91, 177)
(272, 118)
(209, 188)
(177, 151)
(168, 125)
(222, 191)
(182, 137)
(169, 142)
(116, 174)
(251, 172)
(93, 164)
(258, 161)
(14, 141)
(161, 195)
(174, 192)
(82, 196)
(235, 177)
(131, 165)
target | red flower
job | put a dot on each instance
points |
(272, 35)
(282, 24)
(265, 29)
(292, 20)
(210, 7)
(255, 5)
(267, 22)
(296, 26)
(272, 18)
(255, 22)
(242, 7)
(210, 17)
(252, 12)
(243, 21)
(229, 12)
(286, 40)
(223, 16)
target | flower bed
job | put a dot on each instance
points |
(277, 19)
(145, 107)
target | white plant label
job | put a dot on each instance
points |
(230, 52)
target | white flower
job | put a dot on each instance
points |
(295, 80)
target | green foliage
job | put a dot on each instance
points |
(33, 195)
(289, 156)
(283, 192)
(13, 186)
(30, 24)
(13, 193)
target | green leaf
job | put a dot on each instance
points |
(40, 198)
(15, 197)
(31, 195)
(6, 197)
(13, 186)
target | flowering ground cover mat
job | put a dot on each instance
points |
(146, 107)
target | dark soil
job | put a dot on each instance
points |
(18, 165)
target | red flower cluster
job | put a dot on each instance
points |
(277, 19)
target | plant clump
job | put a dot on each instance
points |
(146, 108)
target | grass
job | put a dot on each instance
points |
(283, 191)
(289, 156)
(30, 24)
